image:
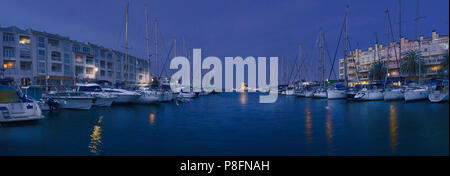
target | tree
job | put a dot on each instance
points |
(378, 71)
(444, 66)
(410, 65)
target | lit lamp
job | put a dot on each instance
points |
(96, 69)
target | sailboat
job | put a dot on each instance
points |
(440, 93)
(321, 91)
(339, 91)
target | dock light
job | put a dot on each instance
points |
(96, 69)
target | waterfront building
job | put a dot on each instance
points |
(41, 58)
(360, 62)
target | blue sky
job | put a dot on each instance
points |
(223, 28)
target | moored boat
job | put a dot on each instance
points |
(416, 93)
(72, 100)
(123, 96)
(14, 107)
(101, 98)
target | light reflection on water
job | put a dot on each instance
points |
(308, 125)
(393, 128)
(329, 127)
(152, 118)
(96, 138)
(243, 98)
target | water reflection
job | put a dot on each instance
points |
(96, 136)
(329, 126)
(243, 98)
(152, 118)
(308, 125)
(393, 128)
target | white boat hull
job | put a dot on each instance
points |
(104, 102)
(123, 99)
(321, 94)
(337, 94)
(369, 96)
(75, 103)
(186, 95)
(147, 99)
(390, 95)
(416, 95)
(166, 96)
(290, 92)
(309, 93)
(438, 97)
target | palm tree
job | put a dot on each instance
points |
(410, 65)
(444, 66)
(379, 70)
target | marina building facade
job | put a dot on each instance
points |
(32, 57)
(360, 62)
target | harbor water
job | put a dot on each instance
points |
(237, 124)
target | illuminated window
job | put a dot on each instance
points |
(79, 59)
(9, 64)
(89, 70)
(24, 40)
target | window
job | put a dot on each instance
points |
(56, 67)
(8, 37)
(110, 65)
(102, 64)
(66, 58)
(41, 54)
(25, 53)
(90, 60)
(41, 67)
(67, 70)
(9, 64)
(76, 47)
(86, 50)
(79, 70)
(53, 42)
(66, 46)
(102, 54)
(89, 70)
(8, 52)
(117, 75)
(79, 59)
(110, 73)
(41, 42)
(25, 40)
(95, 52)
(109, 56)
(56, 56)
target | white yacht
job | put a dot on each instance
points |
(123, 96)
(72, 100)
(14, 107)
(101, 98)
(369, 94)
(415, 92)
(149, 97)
(337, 92)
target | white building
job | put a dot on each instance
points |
(41, 58)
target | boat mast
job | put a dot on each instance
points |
(400, 35)
(419, 53)
(346, 44)
(156, 46)
(322, 53)
(148, 44)
(388, 48)
(126, 45)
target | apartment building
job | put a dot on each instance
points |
(41, 58)
(433, 50)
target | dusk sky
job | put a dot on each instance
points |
(223, 28)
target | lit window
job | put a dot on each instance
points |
(9, 64)
(25, 40)
(79, 59)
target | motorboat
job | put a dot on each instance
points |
(392, 94)
(72, 100)
(337, 92)
(16, 107)
(123, 96)
(439, 94)
(416, 93)
(186, 94)
(149, 97)
(34, 92)
(101, 98)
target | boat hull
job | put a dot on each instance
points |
(15, 112)
(393, 95)
(337, 94)
(320, 95)
(125, 99)
(75, 103)
(416, 95)
(103, 102)
(438, 97)
(369, 96)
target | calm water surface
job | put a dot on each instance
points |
(236, 124)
